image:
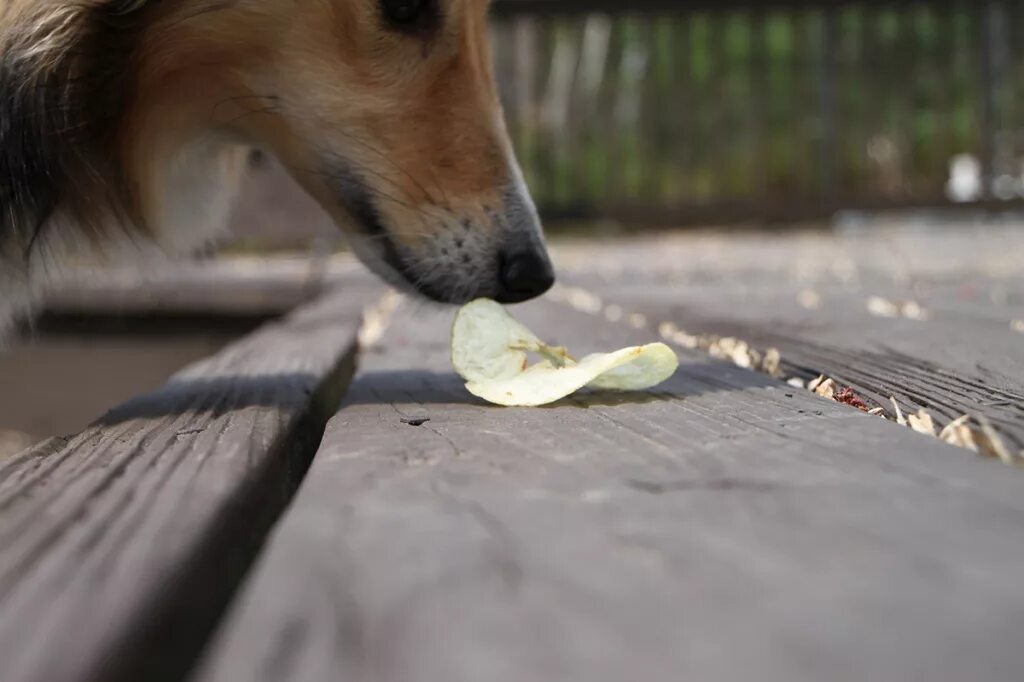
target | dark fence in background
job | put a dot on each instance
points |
(693, 111)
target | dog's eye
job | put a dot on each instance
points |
(403, 11)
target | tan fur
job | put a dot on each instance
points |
(329, 88)
(422, 121)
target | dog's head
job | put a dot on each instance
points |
(387, 113)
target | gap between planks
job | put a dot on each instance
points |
(971, 431)
(721, 528)
(121, 547)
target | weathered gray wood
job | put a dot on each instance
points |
(227, 286)
(950, 364)
(965, 358)
(725, 527)
(120, 546)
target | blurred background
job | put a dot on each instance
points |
(719, 111)
(672, 113)
(629, 116)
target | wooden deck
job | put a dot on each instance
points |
(106, 336)
(242, 524)
(932, 318)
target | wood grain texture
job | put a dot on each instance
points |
(227, 286)
(947, 365)
(120, 546)
(725, 527)
(964, 358)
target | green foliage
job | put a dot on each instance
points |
(749, 105)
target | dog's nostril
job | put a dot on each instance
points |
(525, 275)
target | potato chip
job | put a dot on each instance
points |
(490, 350)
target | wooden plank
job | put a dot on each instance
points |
(964, 358)
(944, 364)
(226, 286)
(120, 546)
(722, 528)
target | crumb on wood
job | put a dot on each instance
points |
(771, 364)
(880, 307)
(911, 310)
(809, 299)
(847, 396)
(824, 387)
(922, 422)
(900, 419)
(958, 432)
(978, 434)
(990, 443)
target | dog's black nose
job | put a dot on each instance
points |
(524, 275)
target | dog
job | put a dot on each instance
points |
(125, 126)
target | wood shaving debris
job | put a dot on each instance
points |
(686, 340)
(911, 310)
(990, 443)
(637, 321)
(667, 330)
(612, 313)
(922, 422)
(958, 432)
(771, 364)
(728, 349)
(879, 307)
(737, 351)
(809, 299)
(975, 434)
(376, 319)
(584, 301)
(900, 419)
(826, 389)
(972, 433)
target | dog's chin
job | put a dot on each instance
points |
(432, 291)
(405, 280)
